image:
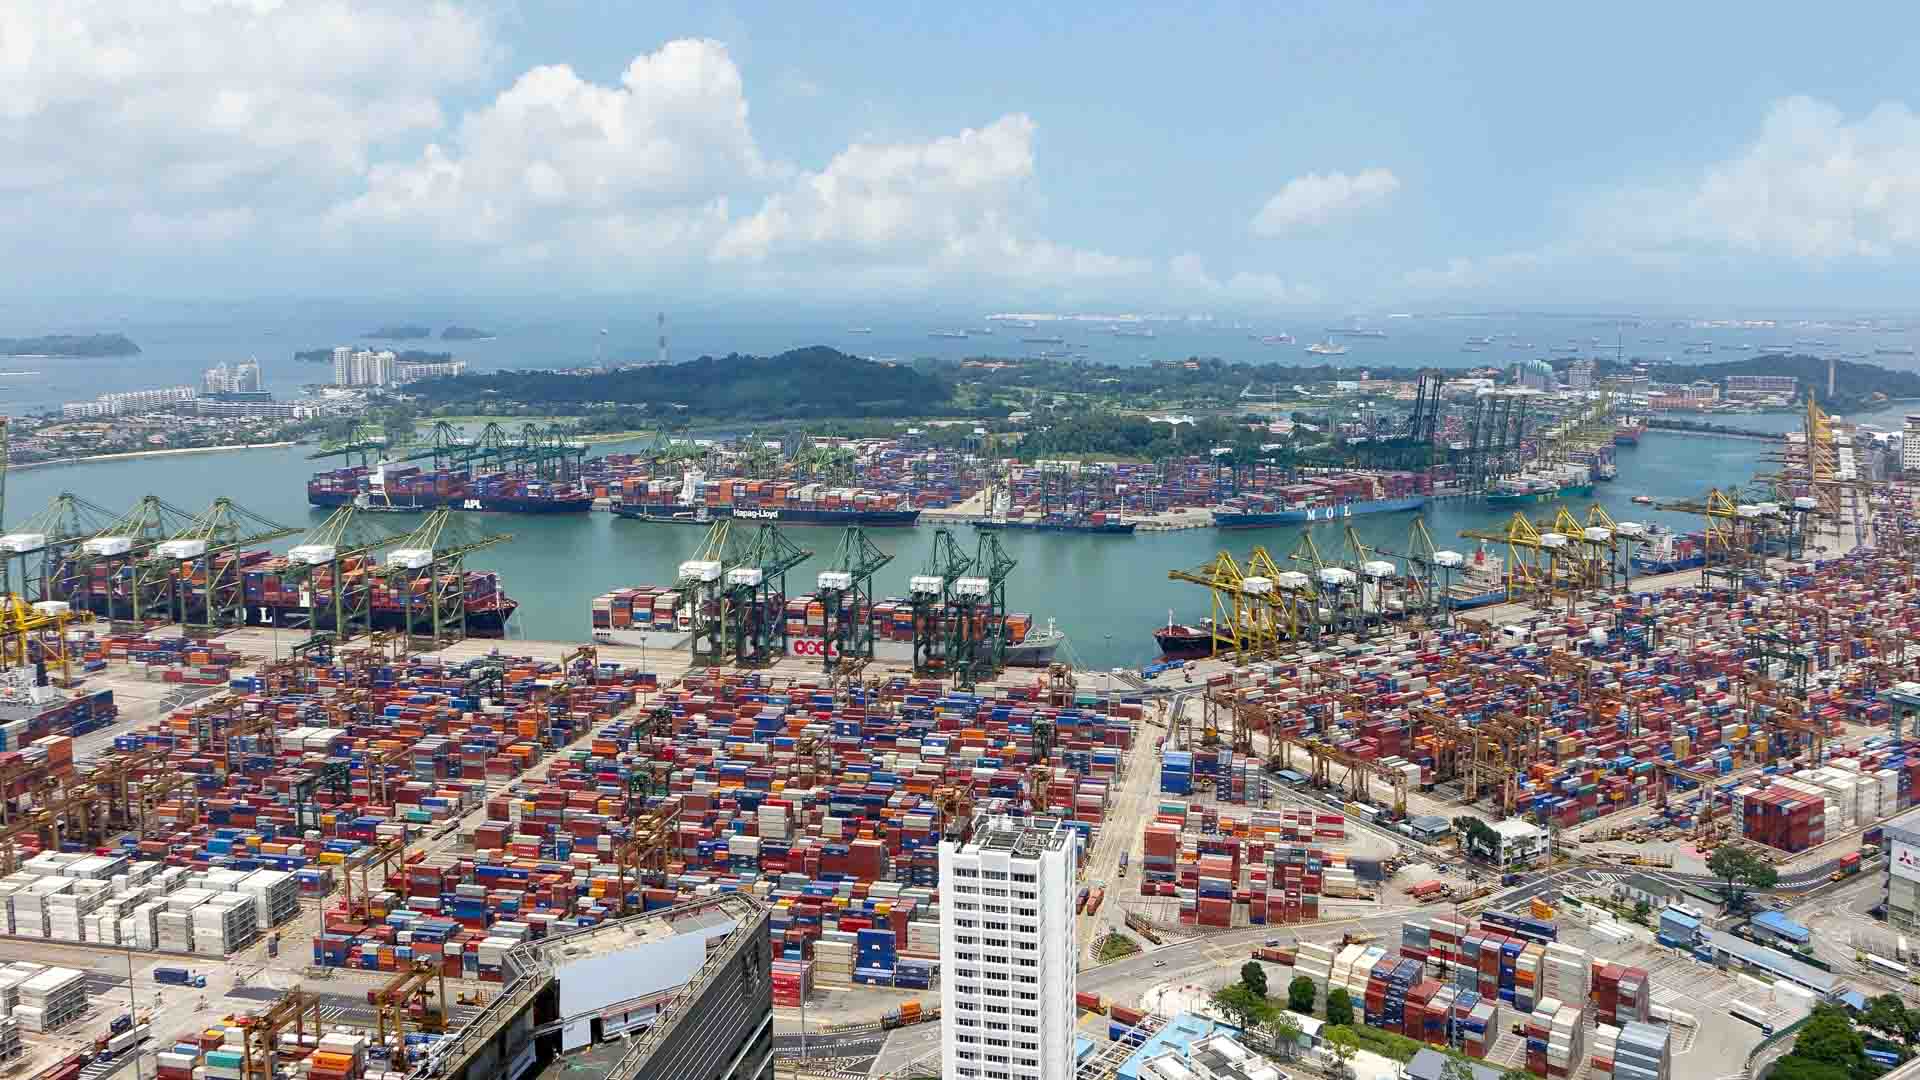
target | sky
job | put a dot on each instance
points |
(1228, 158)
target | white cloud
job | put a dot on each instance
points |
(137, 112)
(556, 166)
(1813, 186)
(1316, 198)
(1469, 273)
(949, 204)
(1188, 272)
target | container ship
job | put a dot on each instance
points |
(662, 617)
(272, 598)
(1665, 551)
(1567, 481)
(1324, 498)
(698, 502)
(387, 487)
(1185, 641)
(1629, 431)
(1097, 523)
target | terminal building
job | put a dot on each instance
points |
(1007, 950)
(680, 992)
(1902, 882)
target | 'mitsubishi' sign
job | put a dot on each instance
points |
(1905, 862)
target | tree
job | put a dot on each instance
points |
(1339, 1006)
(1829, 1037)
(1740, 871)
(1795, 1067)
(1343, 1044)
(1455, 1069)
(1641, 909)
(1477, 835)
(1254, 977)
(1518, 1074)
(1244, 1008)
(1300, 995)
(1888, 1015)
(1284, 1030)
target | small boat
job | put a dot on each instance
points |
(1643, 500)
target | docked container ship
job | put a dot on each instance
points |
(1097, 523)
(1325, 498)
(1665, 551)
(407, 488)
(273, 598)
(1629, 431)
(1565, 481)
(698, 501)
(662, 617)
(1185, 641)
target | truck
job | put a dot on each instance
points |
(178, 976)
(1123, 863)
(1849, 866)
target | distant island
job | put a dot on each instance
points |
(70, 345)
(465, 333)
(406, 356)
(399, 333)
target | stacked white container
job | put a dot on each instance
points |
(1565, 972)
(52, 999)
(833, 958)
(10, 1045)
(140, 928)
(225, 924)
(276, 896)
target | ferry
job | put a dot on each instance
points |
(1327, 348)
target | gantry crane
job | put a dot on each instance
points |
(702, 584)
(1241, 619)
(431, 579)
(261, 1043)
(845, 595)
(929, 592)
(34, 555)
(1527, 569)
(755, 595)
(97, 575)
(1664, 770)
(197, 571)
(386, 855)
(976, 615)
(330, 573)
(404, 999)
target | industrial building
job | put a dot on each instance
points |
(1007, 950)
(1903, 871)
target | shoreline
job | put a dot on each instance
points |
(148, 454)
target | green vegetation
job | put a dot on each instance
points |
(1254, 977)
(1242, 1007)
(1343, 1042)
(1889, 1015)
(1113, 434)
(1300, 994)
(399, 333)
(1388, 1044)
(1740, 872)
(1117, 947)
(464, 333)
(1339, 1007)
(1829, 1047)
(804, 383)
(1479, 836)
(70, 345)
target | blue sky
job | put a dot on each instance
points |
(1223, 157)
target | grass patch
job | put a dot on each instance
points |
(1116, 947)
(1398, 1047)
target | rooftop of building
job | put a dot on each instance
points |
(1430, 1064)
(1512, 829)
(1905, 828)
(1772, 961)
(1022, 838)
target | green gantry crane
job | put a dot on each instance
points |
(929, 592)
(339, 604)
(430, 577)
(755, 597)
(195, 576)
(845, 591)
(35, 556)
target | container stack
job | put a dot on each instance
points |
(1176, 773)
(10, 1045)
(225, 924)
(1315, 960)
(338, 1057)
(1606, 1038)
(1643, 1051)
(792, 983)
(833, 954)
(223, 1064)
(1476, 1022)
(874, 954)
(1555, 1039)
(51, 999)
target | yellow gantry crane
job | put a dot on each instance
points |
(1241, 619)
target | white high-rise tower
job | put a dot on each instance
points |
(661, 321)
(1007, 950)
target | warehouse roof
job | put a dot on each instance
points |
(1775, 923)
(1772, 961)
(1906, 827)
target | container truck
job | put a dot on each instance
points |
(178, 976)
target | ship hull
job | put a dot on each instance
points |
(676, 514)
(1668, 566)
(485, 504)
(1091, 528)
(1485, 599)
(1515, 498)
(1626, 438)
(488, 623)
(1179, 646)
(1232, 519)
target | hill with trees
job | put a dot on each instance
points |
(70, 345)
(803, 383)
